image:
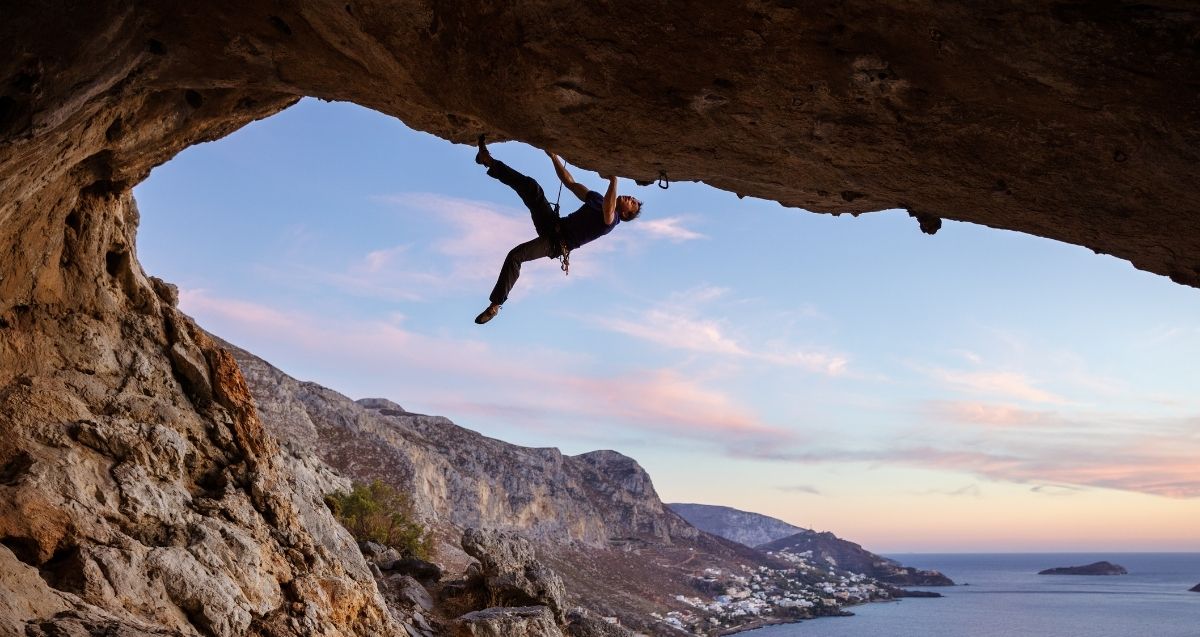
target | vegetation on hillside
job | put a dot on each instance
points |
(378, 513)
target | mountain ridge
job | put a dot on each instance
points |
(823, 547)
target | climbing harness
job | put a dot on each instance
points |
(564, 257)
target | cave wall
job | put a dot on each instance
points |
(130, 459)
(1075, 121)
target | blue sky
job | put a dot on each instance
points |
(850, 374)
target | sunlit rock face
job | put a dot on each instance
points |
(137, 488)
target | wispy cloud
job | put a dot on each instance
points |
(994, 383)
(967, 491)
(968, 355)
(670, 228)
(677, 324)
(522, 388)
(466, 256)
(799, 488)
(1055, 489)
(1052, 451)
(989, 414)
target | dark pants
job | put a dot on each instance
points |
(545, 221)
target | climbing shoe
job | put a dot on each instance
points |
(488, 314)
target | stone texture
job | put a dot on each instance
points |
(407, 591)
(136, 480)
(512, 573)
(1073, 120)
(529, 621)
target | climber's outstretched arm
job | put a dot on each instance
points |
(610, 201)
(560, 169)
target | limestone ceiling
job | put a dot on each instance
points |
(1077, 121)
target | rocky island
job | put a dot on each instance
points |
(1096, 568)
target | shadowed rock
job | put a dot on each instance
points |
(511, 571)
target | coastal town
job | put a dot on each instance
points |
(725, 601)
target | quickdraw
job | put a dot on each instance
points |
(564, 257)
(663, 182)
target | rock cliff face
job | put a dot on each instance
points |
(463, 479)
(743, 527)
(139, 493)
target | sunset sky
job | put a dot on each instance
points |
(977, 390)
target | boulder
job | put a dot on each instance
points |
(406, 592)
(526, 621)
(511, 571)
(419, 569)
(581, 623)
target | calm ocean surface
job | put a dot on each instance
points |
(1006, 598)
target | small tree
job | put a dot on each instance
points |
(379, 513)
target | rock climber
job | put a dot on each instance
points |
(556, 236)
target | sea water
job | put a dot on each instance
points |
(1001, 595)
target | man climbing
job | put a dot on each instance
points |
(556, 236)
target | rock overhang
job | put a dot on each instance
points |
(1075, 121)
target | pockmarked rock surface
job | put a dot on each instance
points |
(1071, 120)
(139, 493)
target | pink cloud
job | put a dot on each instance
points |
(1145, 460)
(995, 383)
(990, 414)
(674, 324)
(524, 387)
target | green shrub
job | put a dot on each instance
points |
(379, 513)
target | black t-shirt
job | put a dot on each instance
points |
(587, 223)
